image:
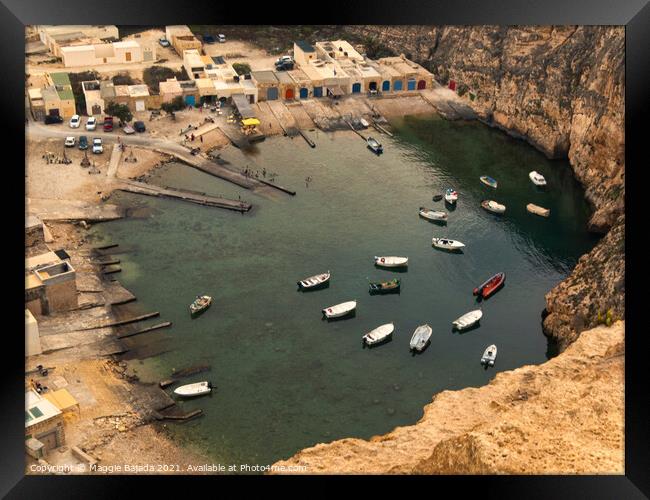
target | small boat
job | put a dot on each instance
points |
(340, 310)
(491, 285)
(434, 215)
(379, 334)
(537, 178)
(437, 197)
(468, 320)
(200, 304)
(489, 181)
(193, 390)
(489, 355)
(375, 145)
(391, 261)
(314, 281)
(421, 337)
(364, 123)
(451, 196)
(385, 286)
(537, 210)
(445, 244)
(493, 206)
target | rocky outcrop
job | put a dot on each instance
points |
(561, 88)
(595, 287)
(565, 416)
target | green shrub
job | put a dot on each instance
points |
(241, 68)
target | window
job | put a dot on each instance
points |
(36, 412)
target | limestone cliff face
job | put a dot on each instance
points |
(504, 427)
(561, 88)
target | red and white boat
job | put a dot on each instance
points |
(491, 285)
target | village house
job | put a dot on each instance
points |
(406, 75)
(90, 55)
(287, 85)
(327, 77)
(92, 94)
(182, 39)
(50, 283)
(304, 84)
(55, 98)
(44, 429)
(268, 86)
(57, 37)
(135, 97)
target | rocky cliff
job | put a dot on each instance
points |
(503, 427)
(561, 88)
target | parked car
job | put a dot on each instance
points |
(75, 121)
(284, 59)
(164, 42)
(285, 66)
(69, 142)
(208, 39)
(91, 124)
(98, 148)
(128, 129)
(50, 119)
(222, 38)
(83, 142)
(139, 126)
(108, 124)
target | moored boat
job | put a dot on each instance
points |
(420, 337)
(489, 355)
(379, 334)
(437, 197)
(433, 215)
(446, 244)
(200, 304)
(340, 310)
(468, 320)
(374, 145)
(537, 178)
(491, 285)
(391, 261)
(537, 210)
(489, 181)
(314, 281)
(193, 390)
(384, 286)
(493, 206)
(451, 196)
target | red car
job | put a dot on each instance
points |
(108, 124)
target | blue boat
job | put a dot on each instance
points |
(489, 181)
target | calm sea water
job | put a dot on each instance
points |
(285, 378)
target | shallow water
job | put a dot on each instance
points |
(287, 379)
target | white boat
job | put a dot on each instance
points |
(446, 244)
(192, 390)
(537, 210)
(434, 215)
(364, 123)
(421, 337)
(489, 356)
(314, 281)
(340, 310)
(379, 334)
(468, 320)
(375, 145)
(537, 178)
(451, 196)
(391, 261)
(493, 206)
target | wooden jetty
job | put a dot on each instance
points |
(354, 129)
(278, 187)
(382, 129)
(121, 322)
(145, 330)
(184, 417)
(306, 138)
(112, 270)
(106, 247)
(185, 372)
(206, 200)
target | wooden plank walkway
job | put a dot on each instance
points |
(206, 200)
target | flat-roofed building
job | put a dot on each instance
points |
(287, 85)
(304, 84)
(44, 423)
(55, 98)
(55, 37)
(50, 284)
(124, 52)
(92, 93)
(170, 89)
(181, 38)
(409, 76)
(362, 76)
(268, 86)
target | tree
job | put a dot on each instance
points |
(123, 79)
(121, 111)
(176, 104)
(241, 68)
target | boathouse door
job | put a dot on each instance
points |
(422, 85)
(289, 94)
(397, 85)
(304, 93)
(272, 93)
(410, 85)
(318, 91)
(385, 86)
(356, 88)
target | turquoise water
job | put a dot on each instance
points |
(285, 378)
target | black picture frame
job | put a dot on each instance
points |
(634, 14)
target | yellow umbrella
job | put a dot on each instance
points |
(250, 122)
